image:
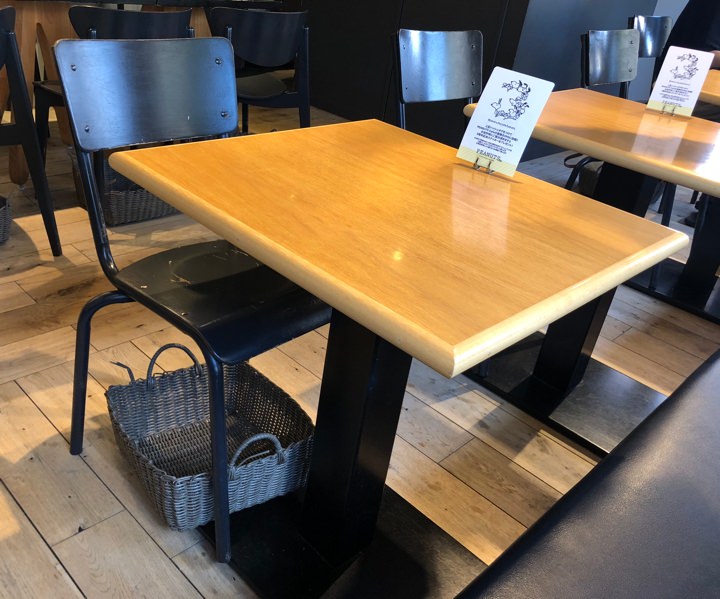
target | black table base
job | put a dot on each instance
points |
(409, 556)
(668, 284)
(597, 413)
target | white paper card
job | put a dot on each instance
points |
(503, 120)
(681, 78)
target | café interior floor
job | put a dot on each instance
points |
(81, 526)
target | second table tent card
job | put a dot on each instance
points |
(680, 80)
(503, 120)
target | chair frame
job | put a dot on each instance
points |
(189, 85)
(434, 66)
(22, 131)
(249, 32)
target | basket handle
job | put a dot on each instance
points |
(196, 365)
(279, 451)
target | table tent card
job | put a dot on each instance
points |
(680, 80)
(503, 120)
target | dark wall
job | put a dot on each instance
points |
(351, 52)
(351, 55)
(549, 45)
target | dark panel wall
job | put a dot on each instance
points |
(351, 52)
(549, 45)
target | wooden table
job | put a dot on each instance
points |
(710, 92)
(419, 254)
(639, 148)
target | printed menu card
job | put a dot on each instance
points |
(503, 120)
(680, 80)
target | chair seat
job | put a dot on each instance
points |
(240, 306)
(260, 87)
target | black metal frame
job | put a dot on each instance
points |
(22, 132)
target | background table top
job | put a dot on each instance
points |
(711, 88)
(448, 263)
(682, 150)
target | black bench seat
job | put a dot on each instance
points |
(645, 522)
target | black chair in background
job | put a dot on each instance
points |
(232, 306)
(654, 32)
(94, 22)
(265, 42)
(22, 131)
(434, 66)
(607, 57)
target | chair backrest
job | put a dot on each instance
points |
(654, 32)
(433, 66)
(120, 93)
(94, 22)
(264, 38)
(609, 56)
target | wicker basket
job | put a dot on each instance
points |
(123, 201)
(5, 219)
(161, 425)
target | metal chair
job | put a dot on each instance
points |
(22, 131)
(608, 57)
(434, 66)
(265, 42)
(232, 306)
(94, 22)
(654, 32)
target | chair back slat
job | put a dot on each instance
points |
(654, 32)
(125, 92)
(609, 56)
(439, 65)
(264, 38)
(95, 22)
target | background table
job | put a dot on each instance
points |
(641, 147)
(419, 254)
(710, 92)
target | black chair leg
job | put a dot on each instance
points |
(244, 111)
(666, 202)
(42, 119)
(36, 167)
(82, 355)
(28, 137)
(218, 443)
(304, 114)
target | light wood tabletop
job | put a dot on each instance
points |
(682, 150)
(449, 264)
(710, 92)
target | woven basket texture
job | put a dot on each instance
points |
(5, 219)
(163, 430)
(123, 200)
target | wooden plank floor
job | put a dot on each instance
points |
(81, 526)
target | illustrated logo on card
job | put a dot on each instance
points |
(518, 104)
(687, 71)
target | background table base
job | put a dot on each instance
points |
(597, 414)
(409, 556)
(666, 284)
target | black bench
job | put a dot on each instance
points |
(644, 523)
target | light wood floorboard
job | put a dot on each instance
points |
(82, 526)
